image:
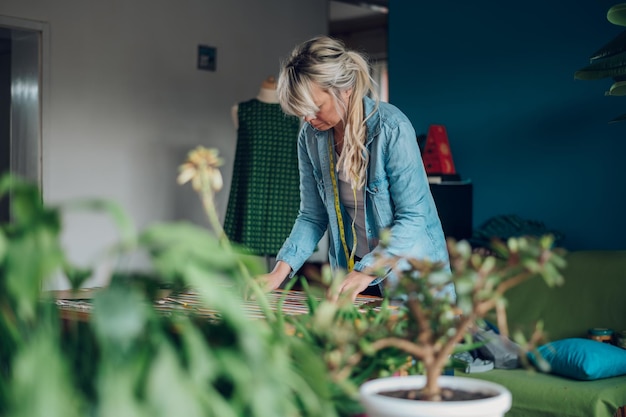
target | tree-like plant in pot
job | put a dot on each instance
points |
(435, 325)
(403, 343)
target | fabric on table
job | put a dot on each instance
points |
(264, 194)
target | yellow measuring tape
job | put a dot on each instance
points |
(342, 234)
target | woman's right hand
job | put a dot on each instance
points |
(271, 281)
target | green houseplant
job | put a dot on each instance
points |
(418, 334)
(128, 359)
(410, 336)
(437, 324)
(610, 60)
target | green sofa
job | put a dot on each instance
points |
(594, 295)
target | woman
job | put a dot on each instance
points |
(360, 170)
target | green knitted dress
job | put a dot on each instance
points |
(264, 195)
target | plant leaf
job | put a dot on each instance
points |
(613, 66)
(617, 14)
(613, 47)
(41, 386)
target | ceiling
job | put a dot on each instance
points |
(361, 25)
(347, 18)
(355, 9)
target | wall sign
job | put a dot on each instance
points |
(207, 58)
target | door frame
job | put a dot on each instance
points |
(30, 165)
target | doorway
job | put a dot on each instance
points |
(363, 26)
(21, 62)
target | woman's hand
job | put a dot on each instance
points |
(271, 281)
(353, 283)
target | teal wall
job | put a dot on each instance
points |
(534, 141)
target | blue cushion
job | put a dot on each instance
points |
(582, 359)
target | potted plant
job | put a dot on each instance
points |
(404, 342)
(407, 338)
(428, 327)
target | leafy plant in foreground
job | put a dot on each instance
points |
(127, 358)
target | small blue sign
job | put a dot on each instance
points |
(207, 58)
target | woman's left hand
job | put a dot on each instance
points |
(353, 283)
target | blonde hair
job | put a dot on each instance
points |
(328, 64)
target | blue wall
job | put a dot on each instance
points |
(500, 77)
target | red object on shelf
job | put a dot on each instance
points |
(437, 155)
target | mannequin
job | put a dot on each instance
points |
(267, 94)
(264, 195)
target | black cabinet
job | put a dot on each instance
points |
(454, 200)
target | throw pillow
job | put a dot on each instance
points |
(582, 359)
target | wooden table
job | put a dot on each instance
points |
(78, 305)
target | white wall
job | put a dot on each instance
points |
(126, 102)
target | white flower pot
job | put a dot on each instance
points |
(383, 406)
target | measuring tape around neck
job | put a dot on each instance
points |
(342, 234)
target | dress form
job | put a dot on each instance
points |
(267, 94)
(264, 196)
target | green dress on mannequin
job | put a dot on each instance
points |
(264, 195)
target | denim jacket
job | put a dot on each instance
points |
(397, 196)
